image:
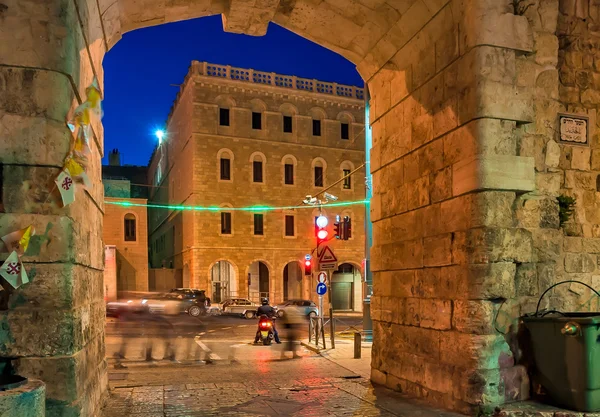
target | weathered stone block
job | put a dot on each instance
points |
(488, 281)
(26, 400)
(479, 386)
(591, 245)
(573, 244)
(417, 193)
(441, 185)
(416, 340)
(526, 282)
(581, 158)
(580, 180)
(437, 250)
(431, 157)
(469, 351)
(409, 311)
(475, 317)
(579, 262)
(435, 314)
(492, 208)
(548, 183)
(552, 154)
(547, 244)
(537, 211)
(493, 173)
(497, 245)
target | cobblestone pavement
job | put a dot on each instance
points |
(254, 386)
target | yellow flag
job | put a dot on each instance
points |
(18, 241)
(75, 169)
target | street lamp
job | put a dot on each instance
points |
(160, 134)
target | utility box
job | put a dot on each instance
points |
(566, 350)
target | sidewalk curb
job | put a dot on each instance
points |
(313, 348)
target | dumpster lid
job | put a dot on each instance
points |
(555, 316)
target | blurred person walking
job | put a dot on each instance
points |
(293, 319)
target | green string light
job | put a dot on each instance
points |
(215, 208)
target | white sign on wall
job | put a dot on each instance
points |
(574, 129)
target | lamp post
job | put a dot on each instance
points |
(367, 323)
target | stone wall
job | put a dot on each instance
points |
(55, 324)
(447, 171)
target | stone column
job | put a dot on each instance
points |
(49, 52)
(446, 110)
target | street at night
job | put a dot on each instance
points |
(243, 379)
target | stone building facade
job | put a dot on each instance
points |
(125, 227)
(467, 166)
(242, 138)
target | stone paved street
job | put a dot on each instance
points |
(260, 386)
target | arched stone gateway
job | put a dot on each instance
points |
(463, 110)
(292, 281)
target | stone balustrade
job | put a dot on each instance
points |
(277, 80)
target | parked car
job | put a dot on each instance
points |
(239, 307)
(200, 302)
(308, 307)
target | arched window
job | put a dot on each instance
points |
(289, 163)
(226, 227)
(258, 161)
(224, 165)
(288, 112)
(319, 167)
(346, 119)
(318, 116)
(258, 108)
(347, 167)
(225, 103)
(130, 228)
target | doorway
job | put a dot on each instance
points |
(292, 281)
(224, 282)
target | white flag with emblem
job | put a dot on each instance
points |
(66, 186)
(12, 271)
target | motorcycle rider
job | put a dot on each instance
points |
(267, 310)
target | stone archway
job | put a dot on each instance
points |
(445, 111)
(224, 281)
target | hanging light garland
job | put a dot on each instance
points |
(216, 209)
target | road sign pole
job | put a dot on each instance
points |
(331, 321)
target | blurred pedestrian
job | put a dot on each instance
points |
(158, 327)
(122, 324)
(293, 319)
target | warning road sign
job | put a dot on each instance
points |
(327, 256)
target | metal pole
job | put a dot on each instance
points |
(357, 345)
(367, 323)
(321, 319)
(331, 326)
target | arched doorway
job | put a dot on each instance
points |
(292, 281)
(258, 281)
(224, 281)
(346, 288)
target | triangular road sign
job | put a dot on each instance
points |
(327, 255)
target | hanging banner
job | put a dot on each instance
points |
(66, 186)
(18, 241)
(13, 272)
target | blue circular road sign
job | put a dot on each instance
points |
(321, 288)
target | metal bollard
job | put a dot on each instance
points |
(357, 345)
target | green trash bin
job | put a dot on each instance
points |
(566, 351)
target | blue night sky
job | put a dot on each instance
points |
(138, 72)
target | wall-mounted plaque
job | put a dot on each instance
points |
(574, 129)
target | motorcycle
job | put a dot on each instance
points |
(265, 326)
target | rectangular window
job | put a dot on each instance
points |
(224, 117)
(316, 128)
(345, 131)
(287, 124)
(289, 226)
(347, 180)
(225, 169)
(225, 223)
(318, 176)
(256, 121)
(130, 229)
(289, 174)
(257, 174)
(258, 224)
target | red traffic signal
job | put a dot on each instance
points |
(321, 229)
(308, 267)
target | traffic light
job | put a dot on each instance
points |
(347, 228)
(308, 267)
(321, 229)
(336, 228)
